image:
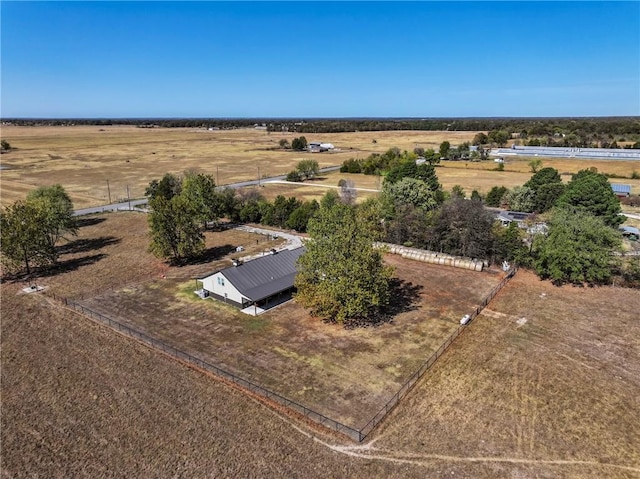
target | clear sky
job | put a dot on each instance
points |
(319, 59)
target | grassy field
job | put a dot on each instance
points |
(543, 384)
(84, 158)
(347, 375)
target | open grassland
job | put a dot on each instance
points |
(84, 158)
(347, 375)
(545, 383)
(546, 378)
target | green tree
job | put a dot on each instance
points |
(458, 192)
(578, 248)
(520, 198)
(4, 145)
(494, 197)
(55, 215)
(509, 244)
(480, 139)
(407, 191)
(24, 241)
(547, 186)
(175, 231)
(341, 275)
(308, 168)
(169, 186)
(299, 218)
(299, 144)
(463, 228)
(445, 146)
(535, 164)
(590, 191)
(199, 190)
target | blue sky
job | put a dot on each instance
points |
(319, 59)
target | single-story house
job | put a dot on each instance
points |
(621, 191)
(259, 281)
(508, 217)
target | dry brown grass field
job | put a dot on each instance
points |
(84, 158)
(545, 383)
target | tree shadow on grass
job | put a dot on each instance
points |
(70, 265)
(210, 254)
(54, 269)
(405, 297)
(87, 244)
(82, 222)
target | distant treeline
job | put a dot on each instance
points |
(522, 127)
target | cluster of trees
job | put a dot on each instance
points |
(31, 228)
(305, 170)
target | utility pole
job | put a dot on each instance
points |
(128, 197)
(258, 175)
(109, 191)
(217, 175)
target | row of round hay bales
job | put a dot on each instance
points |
(433, 257)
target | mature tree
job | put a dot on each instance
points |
(494, 197)
(199, 190)
(480, 139)
(463, 228)
(409, 227)
(476, 196)
(175, 230)
(407, 191)
(547, 186)
(24, 241)
(169, 186)
(308, 168)
(299, 144)
(228, 202)
(499, 137)
(299, 218)
(294, 176)
(341, 275)
(509, 244)
(520, 198)
(277, 213)
(590, 191)
(4, 145)
(408, 169)
(55, 216)
(544, 176)
(578, 248)
(445, 146)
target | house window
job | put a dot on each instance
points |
(220, 281)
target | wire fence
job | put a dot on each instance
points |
(355, 434)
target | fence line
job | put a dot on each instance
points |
(314, 416)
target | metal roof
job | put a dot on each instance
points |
(265, 276)
(618, 188)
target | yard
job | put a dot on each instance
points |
(347, 375)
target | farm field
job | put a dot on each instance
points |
(543, 384)
(84, 158)
(347, 375)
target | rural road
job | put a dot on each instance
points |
(129, 205)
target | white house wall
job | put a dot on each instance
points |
(211, 284)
